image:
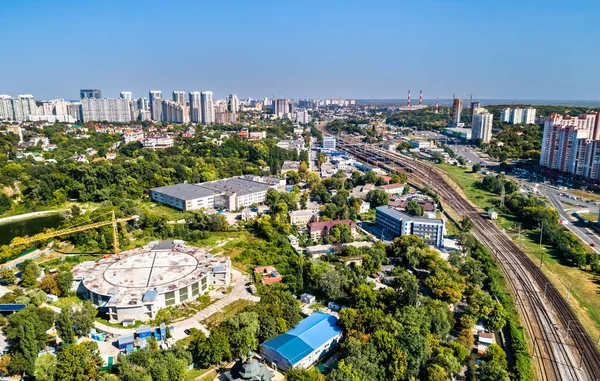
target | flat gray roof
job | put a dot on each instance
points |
(236, 185)
(403, 216)
(184, 191)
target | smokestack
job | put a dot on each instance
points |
(421, 98)
(437, 105)
(408, 103)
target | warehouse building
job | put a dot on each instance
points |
(233, 194)
(396, 223)
(136, 284)
(304, 345)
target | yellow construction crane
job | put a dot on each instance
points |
(42, 236)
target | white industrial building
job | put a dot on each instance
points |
(233, 194)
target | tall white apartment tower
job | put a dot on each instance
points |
(195, 107)
(233, 103)
(127, 95)
(5, 107)
(482, 126)
(179, 97)
(208, 108)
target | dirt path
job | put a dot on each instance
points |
(29, 215)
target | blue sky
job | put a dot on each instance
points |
(524, 49)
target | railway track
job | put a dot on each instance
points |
(561, 348)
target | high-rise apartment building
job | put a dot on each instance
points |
(282, 107)
(127, 95)
(518, 115)
(90, 94)
(175, 112)
(474, 107)
(143, 104)
(156, 107)
(105, 109)
(58, 107)
(207, 106)
(74, 110)
(18, 109)
(482, 125)
(233, 103)
(195, 107)
(457, 106)
(5, 107)
(179, 97)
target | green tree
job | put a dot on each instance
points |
(466, 224)
(414, 209)
(48, 284)
(406, 189)
(45, 367)
(78, 362)
(301, 374)
(436, 373)
(30, 274)
(83, 317)
(8, 277)
(64, 326)
(377, 197)
(64, 281)
(476, 167)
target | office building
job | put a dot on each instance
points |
(457, 106)
(482, 125)
(136, 284)
(105, 109)
(233, 194)
(329, 143)
(195, 107)
(282, 107)
(179, 97)
(90, 94)
(305, 345)
(396, 223)
(233, 103)
(127, 95)
(207, 106)
(156, 108)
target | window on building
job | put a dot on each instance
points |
(170, 298)
(183, 294)
(195, 289)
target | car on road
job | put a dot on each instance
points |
(187, 332)
(592, 244)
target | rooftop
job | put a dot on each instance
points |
(184, 191)
(137, 275)
(407, 217)
(308, 336)
(330, 224)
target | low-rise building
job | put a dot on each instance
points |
(233, 194)
(305, 345)
(396, 223)
(289, 166)
(392, 188)
(267, 274)
(302, 217)
(318, 230)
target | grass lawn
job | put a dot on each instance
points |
(584, 194)
(227, 312)
(171, 214)
(197, 372)
(592, 217)
(584, 299)
(67, 301)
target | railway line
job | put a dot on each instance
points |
(561, 348)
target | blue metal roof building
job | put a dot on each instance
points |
(304, 345)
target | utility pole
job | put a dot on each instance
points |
(542, 257)
(569, 292)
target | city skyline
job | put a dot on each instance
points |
(321, 50)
